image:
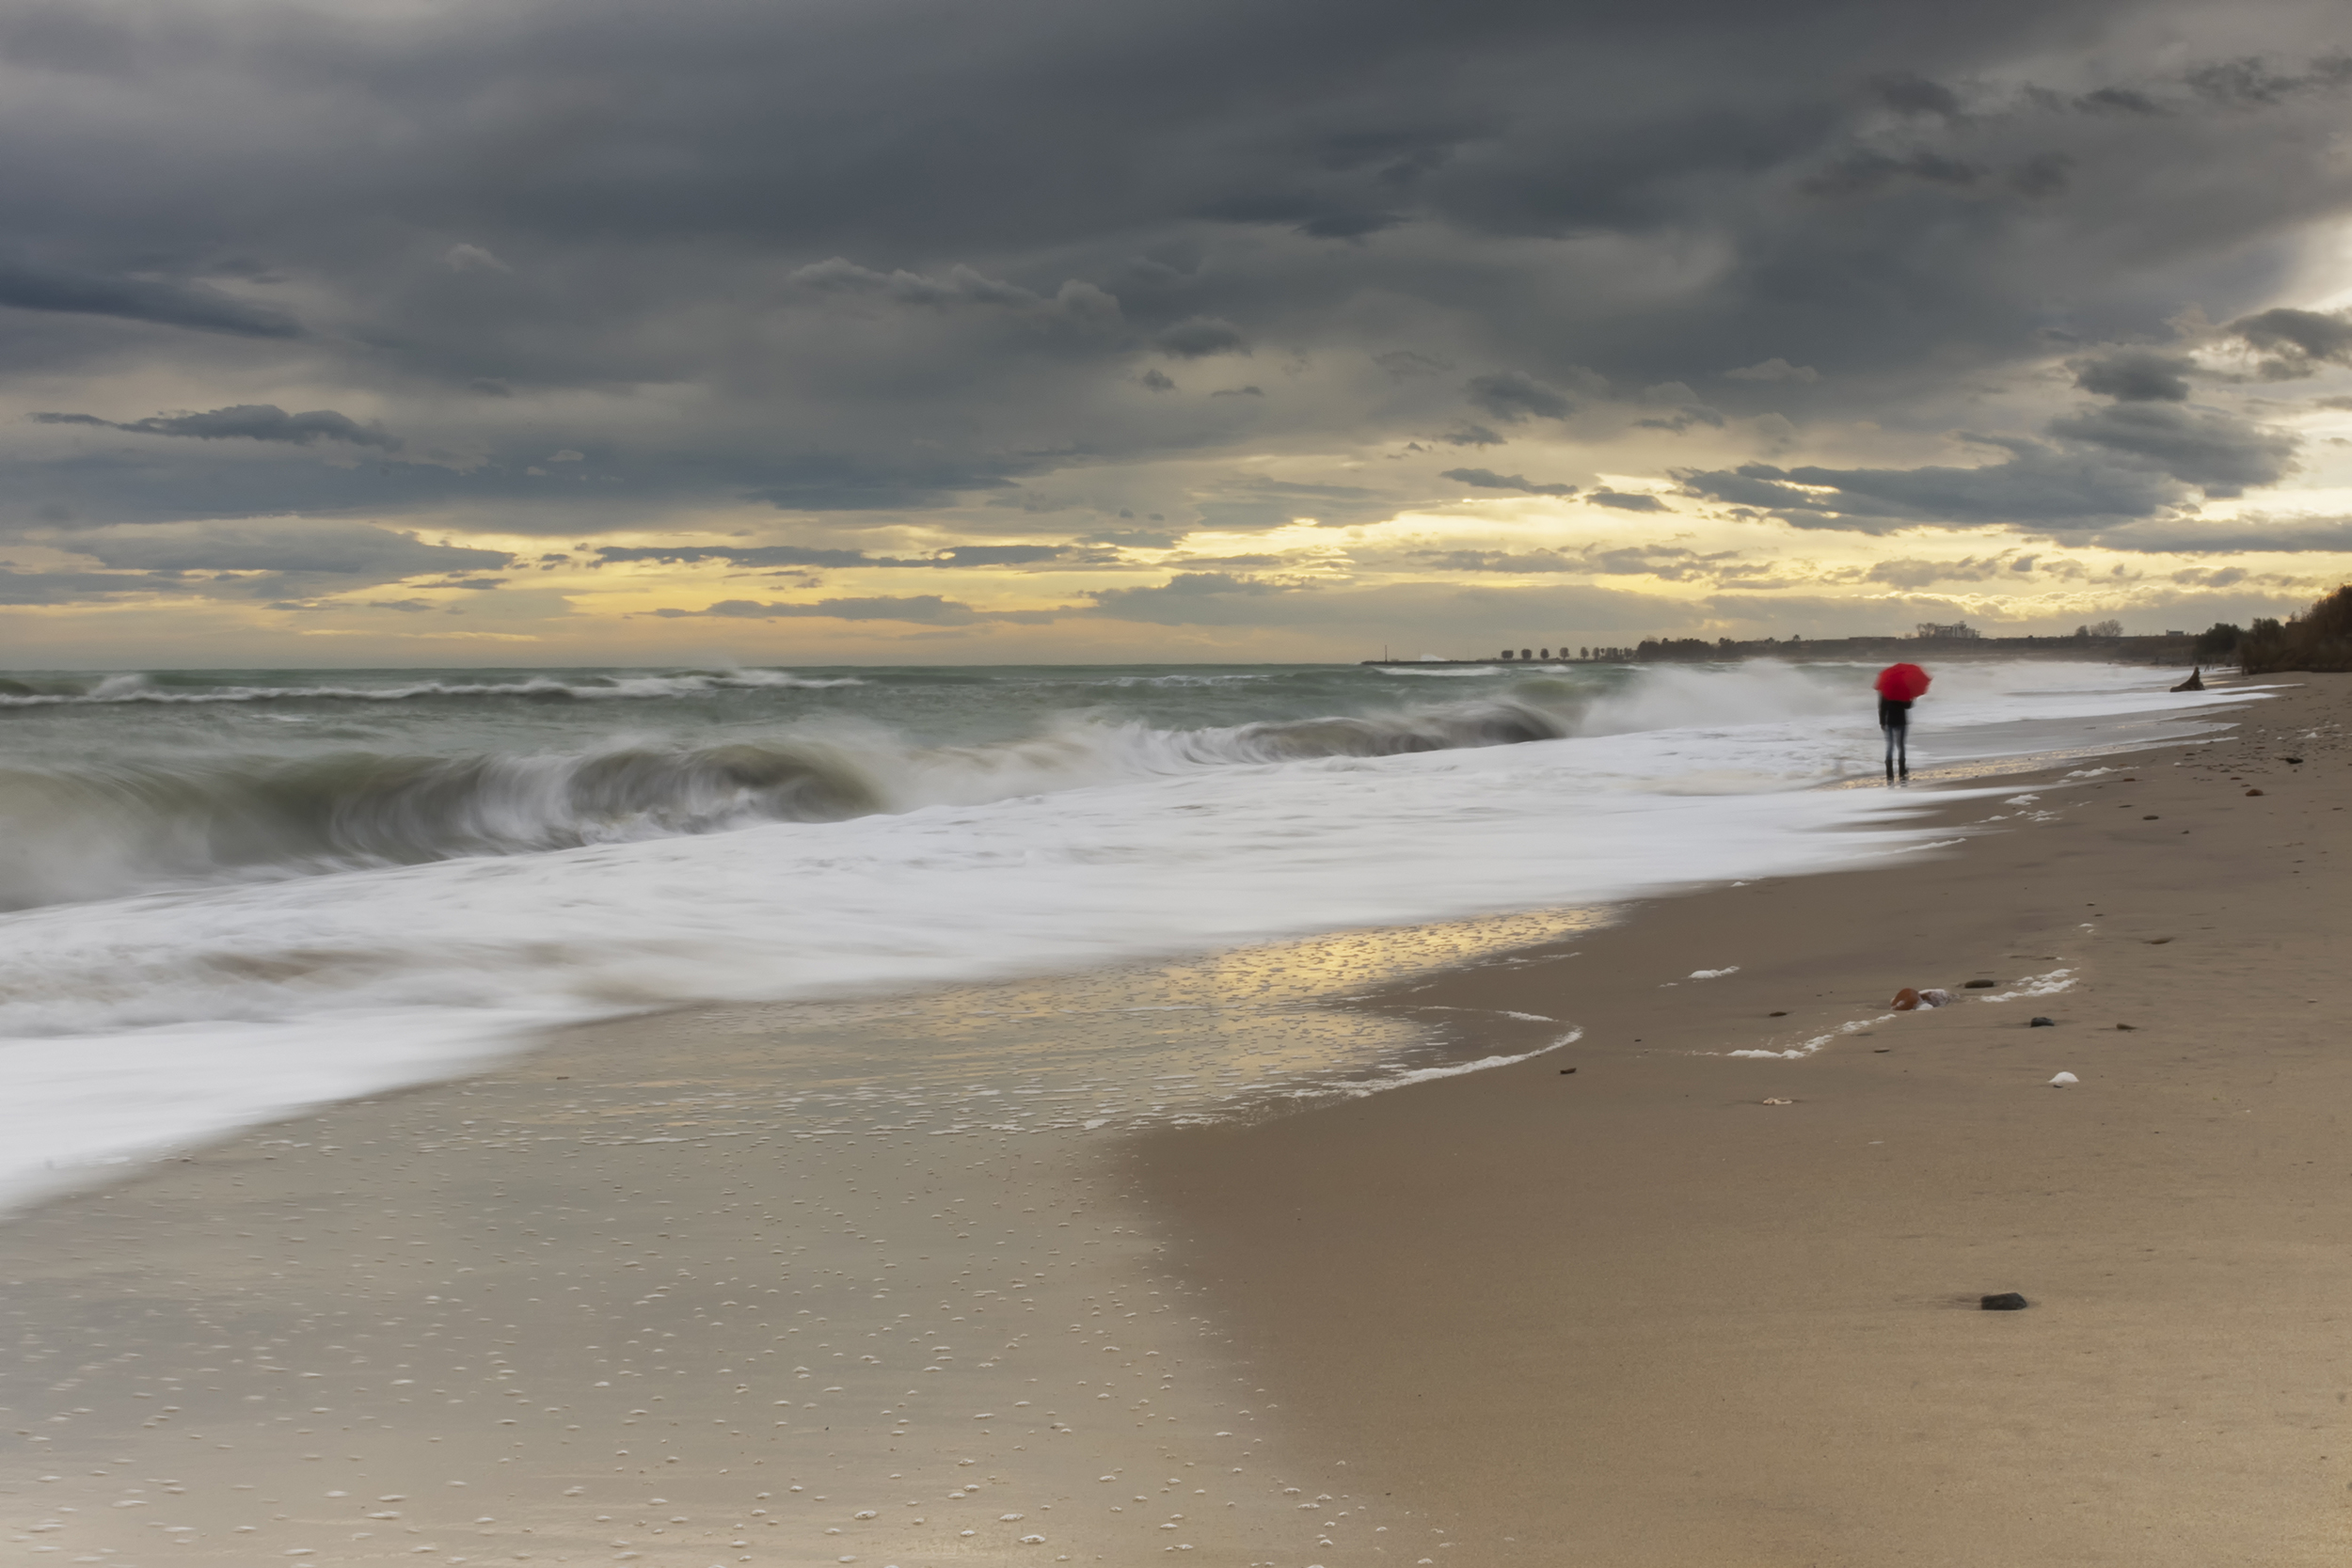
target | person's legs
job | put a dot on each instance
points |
(1900, 736)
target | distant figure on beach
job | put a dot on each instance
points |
(1898, 687)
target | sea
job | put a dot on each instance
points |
(227, 895)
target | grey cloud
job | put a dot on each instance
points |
(1672, 562)
(2298, 341)
(194, 306)
(1486, 479)
(1908, 573)
(1199, 337)
(1511, 396)
(794, 554)
(2119, 462)
(1907, 92)
(963, 285)
(1156, 380)
(2033, 483)
(1137, 538)
(1621, 501)
(1774, 369)
(1687, 409)
(472, 257)
(2117, 101)
(1501, 561)
(249, 422)
(296, 548)
(1472, 436)
(1456, 618)
(1189, 598)
(1238, 392)
(927, 610)
(1867, 172)
(1351, 226)
(2219, 453)
(2252, 82)
(2198, 536)
(2135, 375)
(1404, 364)
(60, 588)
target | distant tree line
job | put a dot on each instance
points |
(2318, 638)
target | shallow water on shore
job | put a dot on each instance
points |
(792, 1283)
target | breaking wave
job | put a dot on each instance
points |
(123, 690)
(102, 829)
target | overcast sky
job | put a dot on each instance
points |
(528, 332)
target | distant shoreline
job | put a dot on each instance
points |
(2100, 650)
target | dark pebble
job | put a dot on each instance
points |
(1566, 1071)
(2041, 1023)
(1980, 984)
(2007, 1301)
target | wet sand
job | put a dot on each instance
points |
(848, 1282)
(1678, 1308)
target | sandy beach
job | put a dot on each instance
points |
(620, 1302)
(1676, 1307)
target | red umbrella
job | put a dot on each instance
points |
(1902, 683)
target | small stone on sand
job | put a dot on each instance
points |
(2007, 1301)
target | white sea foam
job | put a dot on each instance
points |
(134, 1024)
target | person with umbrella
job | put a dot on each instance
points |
(1898, 687)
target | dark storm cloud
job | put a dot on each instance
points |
(194, 306)
(249, 422)
(1620, 501)
(1906, 93)
(2298, 341)
(1351, 226)
(2256, 83)
(2135, 375)
(1511, 396)
(2110, 464)
(2035, 484)
(1486, 479)
(2219, 453)
(880, 258)
(1199, 337)
(2257, 535)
